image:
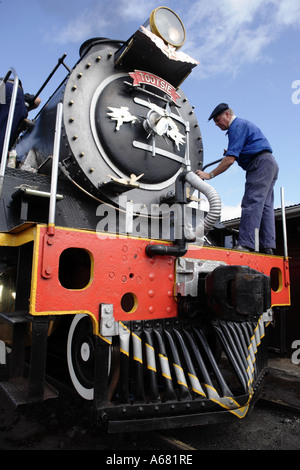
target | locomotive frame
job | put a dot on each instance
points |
(155, 331)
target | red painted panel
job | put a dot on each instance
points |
(119, 267)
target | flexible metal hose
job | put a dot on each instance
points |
(213, 200)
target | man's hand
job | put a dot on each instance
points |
(223, 166)
(203, 175)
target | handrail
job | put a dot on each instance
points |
(9, 124)
(60, 61)
(284, 233)
(211, 163)
(287, 281)
(54, 173)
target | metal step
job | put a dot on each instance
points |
(22, 379)
(16, 391)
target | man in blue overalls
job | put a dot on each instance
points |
(249, 147)
(19, 115)
(24, 104)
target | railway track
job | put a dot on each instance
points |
(169, 443)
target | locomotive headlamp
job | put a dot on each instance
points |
(154, 48)
(167, 25)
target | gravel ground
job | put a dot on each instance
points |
(266, 428)
(273, 424)
(60, 428)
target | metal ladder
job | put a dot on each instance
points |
(7, 137)
(17, 387)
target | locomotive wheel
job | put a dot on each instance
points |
(80, 355)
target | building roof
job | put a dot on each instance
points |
(290, 212)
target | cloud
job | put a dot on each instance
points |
(135, 10)
(288, 13)
(230, 212)
(97, 19)
(227, 212)
(87, 24)
(225, 35)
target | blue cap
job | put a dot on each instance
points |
(218, 110)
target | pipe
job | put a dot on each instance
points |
(212, 197)
(165, 250)
(213, 215)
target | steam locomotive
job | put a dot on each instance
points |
(109, 267)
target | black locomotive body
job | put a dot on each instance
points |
(104, 256)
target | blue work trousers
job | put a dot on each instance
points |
(258, 203)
